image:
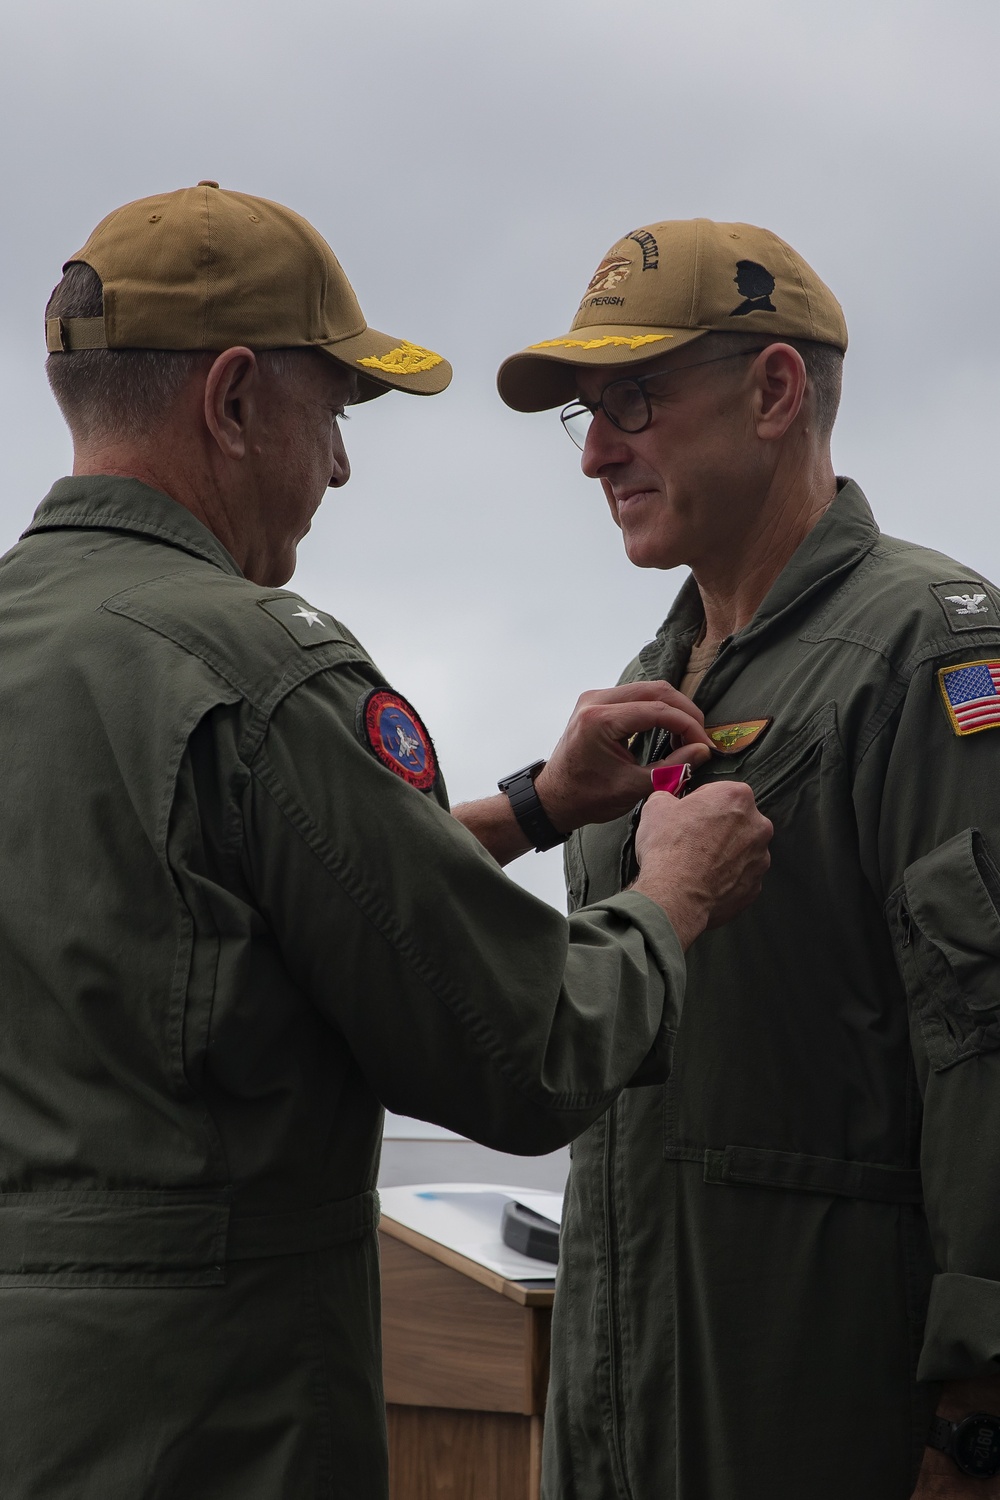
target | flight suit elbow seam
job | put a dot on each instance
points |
(368, 903)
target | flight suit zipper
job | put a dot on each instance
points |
(615, 1398)
(661, 744)
(659, 748)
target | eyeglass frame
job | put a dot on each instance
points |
(573, 408)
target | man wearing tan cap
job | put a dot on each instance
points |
(236, 915)
(780, 1273)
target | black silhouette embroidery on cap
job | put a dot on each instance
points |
(756, 284)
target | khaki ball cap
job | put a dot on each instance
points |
(205, 268)
(666, 284)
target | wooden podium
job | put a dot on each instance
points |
(466, 1361)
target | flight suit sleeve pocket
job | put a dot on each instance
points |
(946, 921)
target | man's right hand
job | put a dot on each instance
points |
(591, 775)
(702, 857)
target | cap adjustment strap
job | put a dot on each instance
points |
(64, 335)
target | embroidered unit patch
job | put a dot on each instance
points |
(609, 273)
(966, 605)
(405, 359)
(304, 624)
(729, 739)
(971, 694)
(602, 343)
(393, 730)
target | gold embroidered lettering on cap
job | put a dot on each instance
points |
(603, 343)
(405, 359)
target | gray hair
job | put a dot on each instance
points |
(824, 367)
(120, 394)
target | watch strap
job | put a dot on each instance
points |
(533, 820)
(941, 1434)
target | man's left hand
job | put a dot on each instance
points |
(939, 1479)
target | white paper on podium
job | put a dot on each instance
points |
(465, 1216)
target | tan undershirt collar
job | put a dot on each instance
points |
(703, 654)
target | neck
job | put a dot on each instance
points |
(733, 584)
(190, 486)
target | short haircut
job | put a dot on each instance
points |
(824, 367)
(112, 393)
(120, 394)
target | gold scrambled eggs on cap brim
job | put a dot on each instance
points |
(544, 374)
(383, 363)
(209, 268)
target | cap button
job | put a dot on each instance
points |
(206, 182)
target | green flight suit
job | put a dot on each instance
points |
(755, 1295)
(228, 934)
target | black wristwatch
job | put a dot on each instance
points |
(973, 1444)
(519, 789)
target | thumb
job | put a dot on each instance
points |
(694, 755)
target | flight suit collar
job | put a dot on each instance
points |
(837, 543)
(108, 503)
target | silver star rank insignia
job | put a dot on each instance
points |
(307, 626)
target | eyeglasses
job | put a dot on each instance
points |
(626, 403)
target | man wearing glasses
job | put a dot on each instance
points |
(781, 1270)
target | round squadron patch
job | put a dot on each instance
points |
(392, 729)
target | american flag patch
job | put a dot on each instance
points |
(971, 694)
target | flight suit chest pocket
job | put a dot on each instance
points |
(776, 768)
(946, 926)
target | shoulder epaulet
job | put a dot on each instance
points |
(255, 638)
(910, 603)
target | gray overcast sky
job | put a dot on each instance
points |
(470, 165)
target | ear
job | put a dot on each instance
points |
(780, 379)
(230, 388)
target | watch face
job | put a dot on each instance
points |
(976, 1445)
